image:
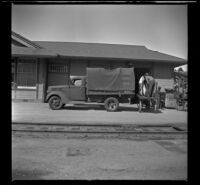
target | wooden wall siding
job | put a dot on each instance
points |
(78, 68)
(99, 63)
(163, 71)
(55, 78)
(165, 83)
(107, 64)
(118, 64)
(24, 94)
(138, 64)
(58, 61)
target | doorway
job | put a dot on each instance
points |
(138, 73)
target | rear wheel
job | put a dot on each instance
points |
(111, 104)
(55, 103)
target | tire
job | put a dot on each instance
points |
(140, 106)
(55, 103)
(111, 104)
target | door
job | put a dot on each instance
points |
(57, 74)
(77, 90)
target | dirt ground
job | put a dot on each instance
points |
(94, 114)
(89, 159)
(69, 159)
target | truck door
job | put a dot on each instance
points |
(77, 90)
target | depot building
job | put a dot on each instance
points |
(39, 64)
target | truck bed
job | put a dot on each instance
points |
(119, 80)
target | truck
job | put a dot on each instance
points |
(100, 85)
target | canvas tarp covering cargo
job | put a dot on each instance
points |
(119, 79)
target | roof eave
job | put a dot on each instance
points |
(33, 56)
(35, 45)
(181, 62)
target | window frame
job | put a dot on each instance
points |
(54, 65)
(78, 80)
(16, 62)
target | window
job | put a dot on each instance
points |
(78, 82)
(57, 68)
(26, 68)
(23, 73)
(26, 75)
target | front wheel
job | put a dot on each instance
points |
(111, 104)
(140, 106)
(55, 103)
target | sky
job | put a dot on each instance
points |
(161, 28)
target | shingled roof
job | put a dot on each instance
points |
(96, 50)
(108, 51)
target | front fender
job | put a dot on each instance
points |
(63, 97)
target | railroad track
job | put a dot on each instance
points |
(98, 131)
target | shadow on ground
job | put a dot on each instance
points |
(101, 107)
(18, 174)
(173, 147)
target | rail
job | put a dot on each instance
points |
(102, 131)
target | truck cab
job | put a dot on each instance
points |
(58, 96)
